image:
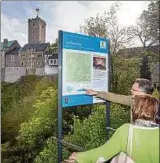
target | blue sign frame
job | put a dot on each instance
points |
(83, 43)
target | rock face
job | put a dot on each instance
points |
(12, 74)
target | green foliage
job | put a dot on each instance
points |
(119, 115)
(156, 93)
(145, 69)
(49, 153)
(29, 107)
(68, 116)
(88, 133)
(7, 98)
(33, 134)
(28, 91)
(13, 93)
(8, 154)
(153, 65)
(54, 47)
(91, 132)
(125, 71)
(148, 25)
(106, 26)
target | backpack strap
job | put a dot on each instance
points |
(130, 138)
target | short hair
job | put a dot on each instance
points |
(145, 107)
(145, 85)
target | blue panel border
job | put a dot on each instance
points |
(74, 100)
(81, 42)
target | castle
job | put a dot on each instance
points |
(33, 58)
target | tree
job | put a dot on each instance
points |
(145, 69)
(107, 26)
(125, 72)
(54, 47)
(148, 25)
(34, 133)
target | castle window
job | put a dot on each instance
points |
(55, 61)
(39, 55)
(23, 55)
(12, 58)
(32, 55)
(32, 64)
(29, 64)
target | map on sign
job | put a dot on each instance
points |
(78, 67)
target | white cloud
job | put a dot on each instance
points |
(130, 11)
(13, 29)
(68, 15)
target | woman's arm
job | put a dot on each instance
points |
(106, 151)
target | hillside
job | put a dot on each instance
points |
(15, 98)
(29, 119)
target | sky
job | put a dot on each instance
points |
(60, 15)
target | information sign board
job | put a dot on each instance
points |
(84, 65)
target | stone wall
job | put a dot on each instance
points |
(40, 72)
(51, 70)
(12, 74)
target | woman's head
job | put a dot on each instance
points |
(145, 107)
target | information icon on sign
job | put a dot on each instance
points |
(102, 44)
(66, 100)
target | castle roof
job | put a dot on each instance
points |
(40, 47)
(9, 43)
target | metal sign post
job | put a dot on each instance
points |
(60, 97)
(108, 102)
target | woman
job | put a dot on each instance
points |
(144, 147)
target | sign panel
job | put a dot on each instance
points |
(84, 62)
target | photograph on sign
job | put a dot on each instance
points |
(99, 63)
(84, 66)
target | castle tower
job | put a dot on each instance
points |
(36, 30)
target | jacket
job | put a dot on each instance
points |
(145, 146)
(121, 99)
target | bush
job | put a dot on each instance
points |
(88, 133)
(91, 132)
(19, 108)
(33, 134)
(125, 71)
(156, 93)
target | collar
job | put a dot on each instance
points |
(140, 122)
